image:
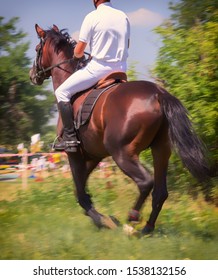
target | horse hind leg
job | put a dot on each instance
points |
(161, 152)
(131, 166)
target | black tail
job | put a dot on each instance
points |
(183, 137)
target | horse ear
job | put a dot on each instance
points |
(41, 33)
(55, 28)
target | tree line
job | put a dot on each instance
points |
(25, 109)
(187, 63)
(187, 67)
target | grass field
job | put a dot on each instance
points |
(45, 222)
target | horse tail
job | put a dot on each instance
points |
(183, 137)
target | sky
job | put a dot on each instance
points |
(144, 16)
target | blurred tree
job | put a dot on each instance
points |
(131, 72)
(25, 109)
(48, 137)
(187, 12)
(187, 62)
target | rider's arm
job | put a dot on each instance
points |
(79, 49)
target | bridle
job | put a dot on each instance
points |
(45, 73)
(41, 72)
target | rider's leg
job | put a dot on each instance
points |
(69, 139)
(77, 82)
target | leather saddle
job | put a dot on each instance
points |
(86, 107)
(115, 77)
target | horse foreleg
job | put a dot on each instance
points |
(161, 154)
(81, 169)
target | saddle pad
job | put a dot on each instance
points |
(88, 105)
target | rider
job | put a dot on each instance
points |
(107, 31)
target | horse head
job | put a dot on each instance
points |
(54, 49)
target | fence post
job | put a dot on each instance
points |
(25, 169)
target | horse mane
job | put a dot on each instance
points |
(60, 39)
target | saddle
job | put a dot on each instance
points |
(115, 77)
(87, 106)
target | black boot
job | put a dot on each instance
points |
(69, 140)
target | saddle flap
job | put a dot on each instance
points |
(86, 108)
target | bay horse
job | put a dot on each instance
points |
(127, 119)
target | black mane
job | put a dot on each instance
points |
(60, 39)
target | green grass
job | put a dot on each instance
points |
(45, 222)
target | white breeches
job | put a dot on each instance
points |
(86, 78)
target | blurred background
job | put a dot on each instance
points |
(173, 43)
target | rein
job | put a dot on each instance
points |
(43, 71)
(80, 64)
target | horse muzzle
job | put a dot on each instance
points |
(34, 77)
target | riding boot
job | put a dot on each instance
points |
(69, 140)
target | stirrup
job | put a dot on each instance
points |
(68, 145)
(53, 144)
(71, 143)
(71, 146)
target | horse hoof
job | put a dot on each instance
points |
(109, 222)
(148, 229)
(102, 221)
(130, 231)
(115, 220)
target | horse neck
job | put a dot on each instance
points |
(60, 73)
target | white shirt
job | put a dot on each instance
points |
(107, 31)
